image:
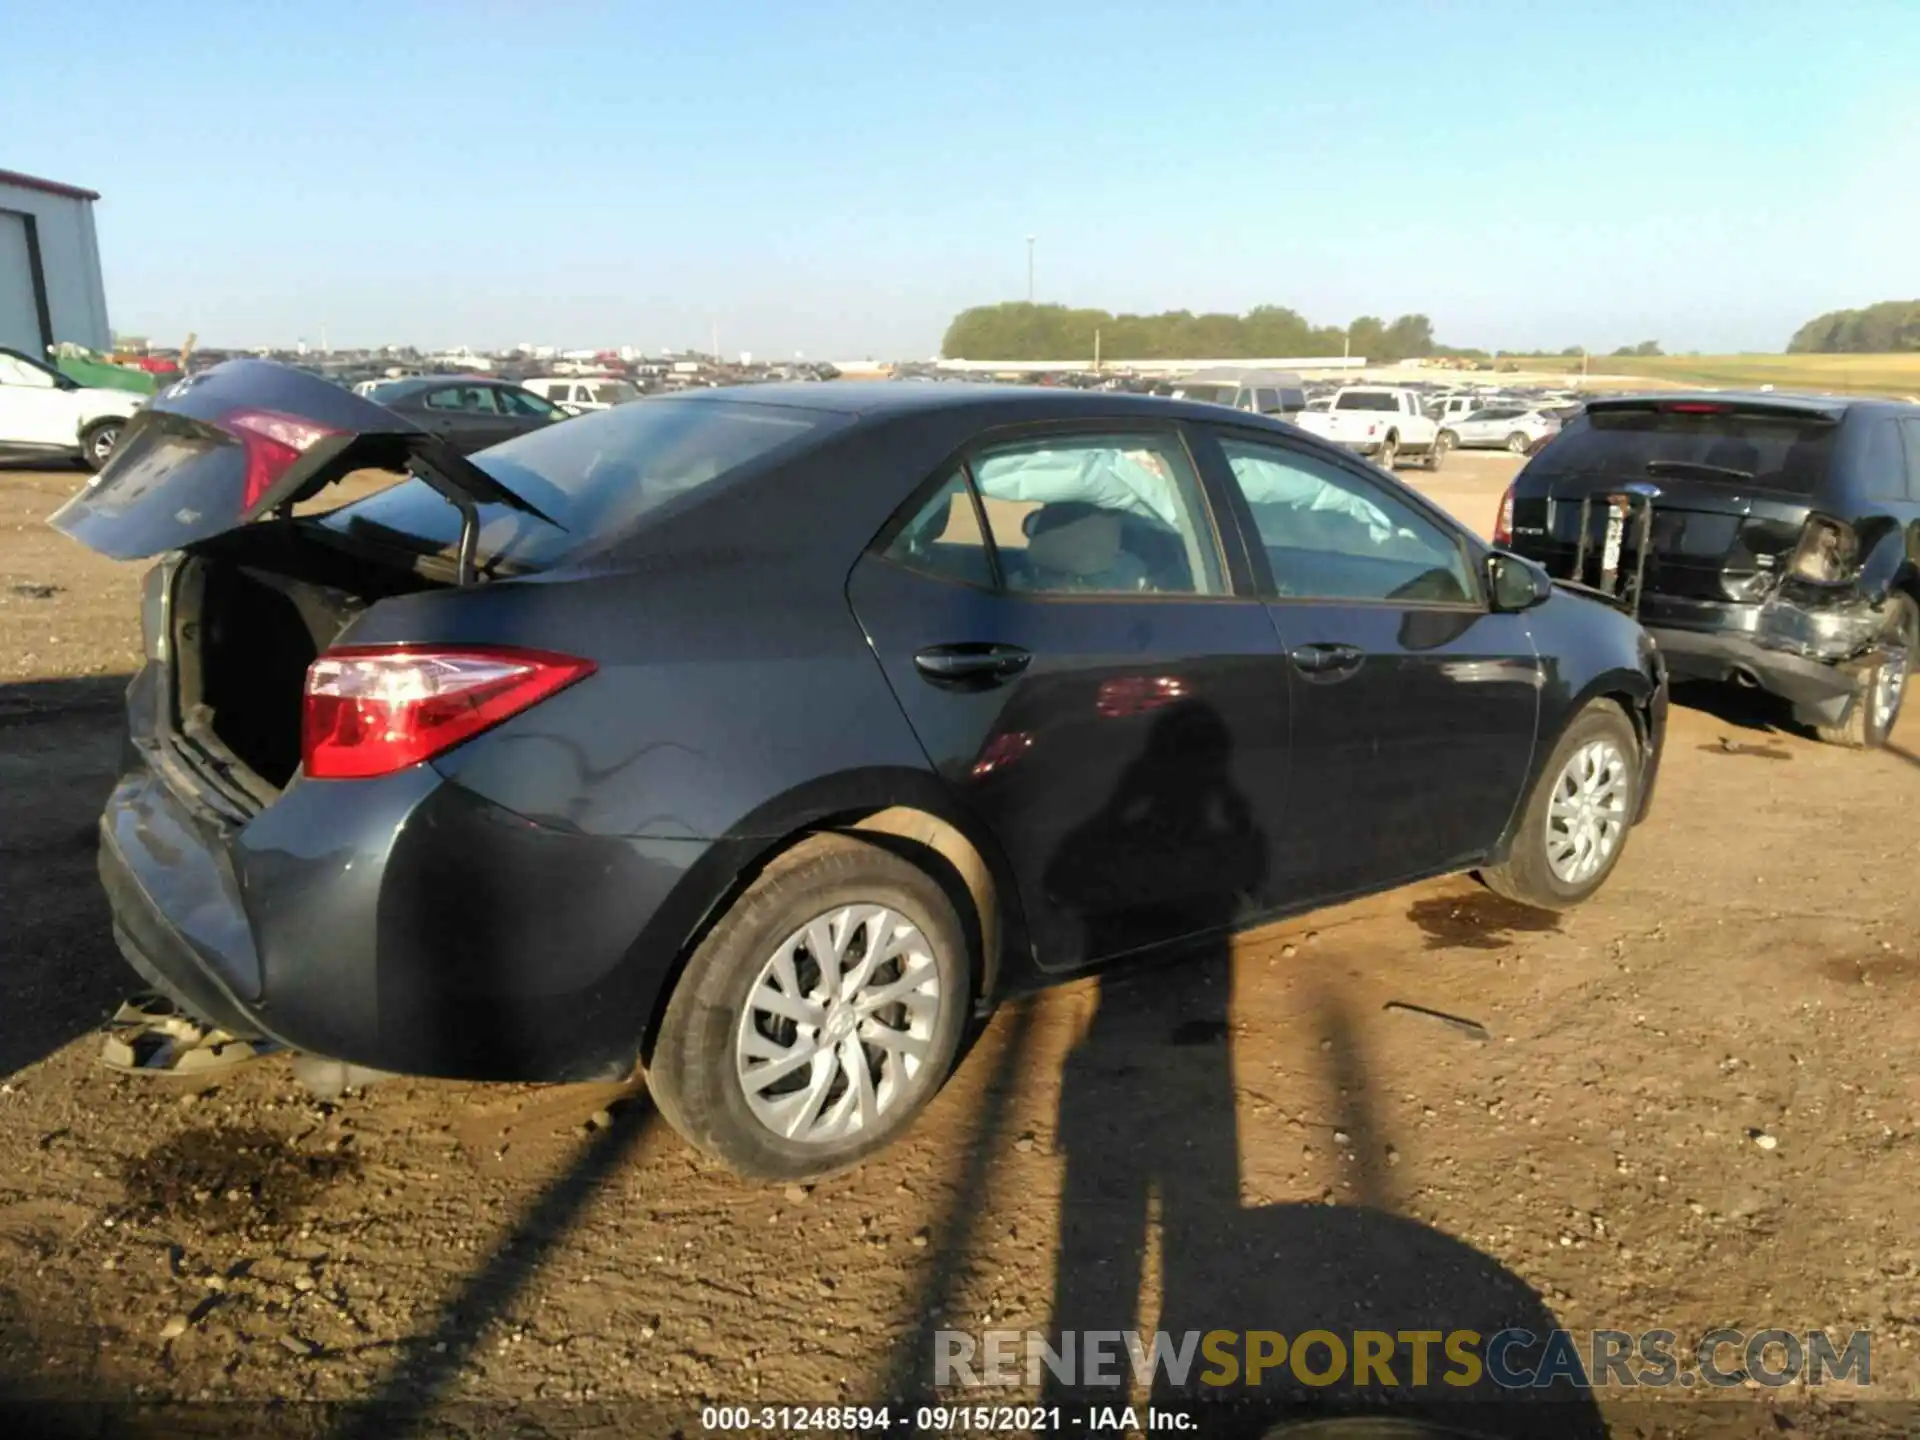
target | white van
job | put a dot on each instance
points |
(580, 393)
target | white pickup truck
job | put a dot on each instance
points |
(1387, 425)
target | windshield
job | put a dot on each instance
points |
(1367, 400)
(594, 475)
(1775, 452)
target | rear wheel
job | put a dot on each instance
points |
(1518, 442)
(818, 1017)
(97, 442)
(1875, 707)
(1437, 454)
(1388, 453)
(1576, 820)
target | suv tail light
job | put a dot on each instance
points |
(374, 709)
(1826, 553)
(1503, 522)
(272, 443)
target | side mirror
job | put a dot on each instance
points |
(1516, 584)
(567, 407)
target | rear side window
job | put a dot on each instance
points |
(597, 474)
(1882, 465)
(944, 538)
(1910, 443)
(1367, 400)
(1071, 514)
(1769, 451)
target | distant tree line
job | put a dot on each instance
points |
(1889, 327)
(1019, 331)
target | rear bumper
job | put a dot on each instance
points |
(1819, 689)
(403, 924)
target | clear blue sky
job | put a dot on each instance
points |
(841, 177)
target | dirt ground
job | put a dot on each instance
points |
(1693, 1106)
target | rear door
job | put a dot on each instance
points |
(1414, 706)
(1087, 668)
(1730, 485)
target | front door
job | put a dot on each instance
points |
(1095, 683)
(1414, 706)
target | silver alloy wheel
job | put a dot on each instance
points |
(1517, 443)
(838, 1024)
(1588, 811)
(103, 441)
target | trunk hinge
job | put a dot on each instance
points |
(463, 485)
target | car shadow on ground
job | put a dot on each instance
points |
(1147, 1123)
(1742, 706)
(59, 753)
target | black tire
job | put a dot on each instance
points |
(1437, 452)
(1518, 442)
(692, 1073)
(97, 442)
(1388, 453)
(1870, 718)
(1528, 875)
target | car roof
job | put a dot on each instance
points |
(876, 399)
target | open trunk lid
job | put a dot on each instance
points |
(244, 440)
(1729, 485)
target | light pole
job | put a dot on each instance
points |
(1030, 269)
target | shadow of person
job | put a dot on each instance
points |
(1148, 1126)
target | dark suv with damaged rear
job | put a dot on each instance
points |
(1765, 540)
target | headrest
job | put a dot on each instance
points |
(1083, 545)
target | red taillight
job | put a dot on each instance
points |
(374, 709)
(1695, 407)
(1503, 522)
(272, 442)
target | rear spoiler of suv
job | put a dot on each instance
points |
(1783, 407)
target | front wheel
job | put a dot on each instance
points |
(1437, 453)
(97, 442)
(818, 1016)
(1576, 820)
(1518, 442)
(1883, 682)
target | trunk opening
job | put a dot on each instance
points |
(250, 612)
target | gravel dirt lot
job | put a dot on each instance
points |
(1693, 1107)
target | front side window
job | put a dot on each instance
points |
(1330, 534)
(1098, 514)
(526, 404)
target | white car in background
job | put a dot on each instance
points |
(579, 394)
(1384, 423)
(1502, 427)
(46, 415)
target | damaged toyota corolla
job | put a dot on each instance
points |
(1769, 540)
(740, 736)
